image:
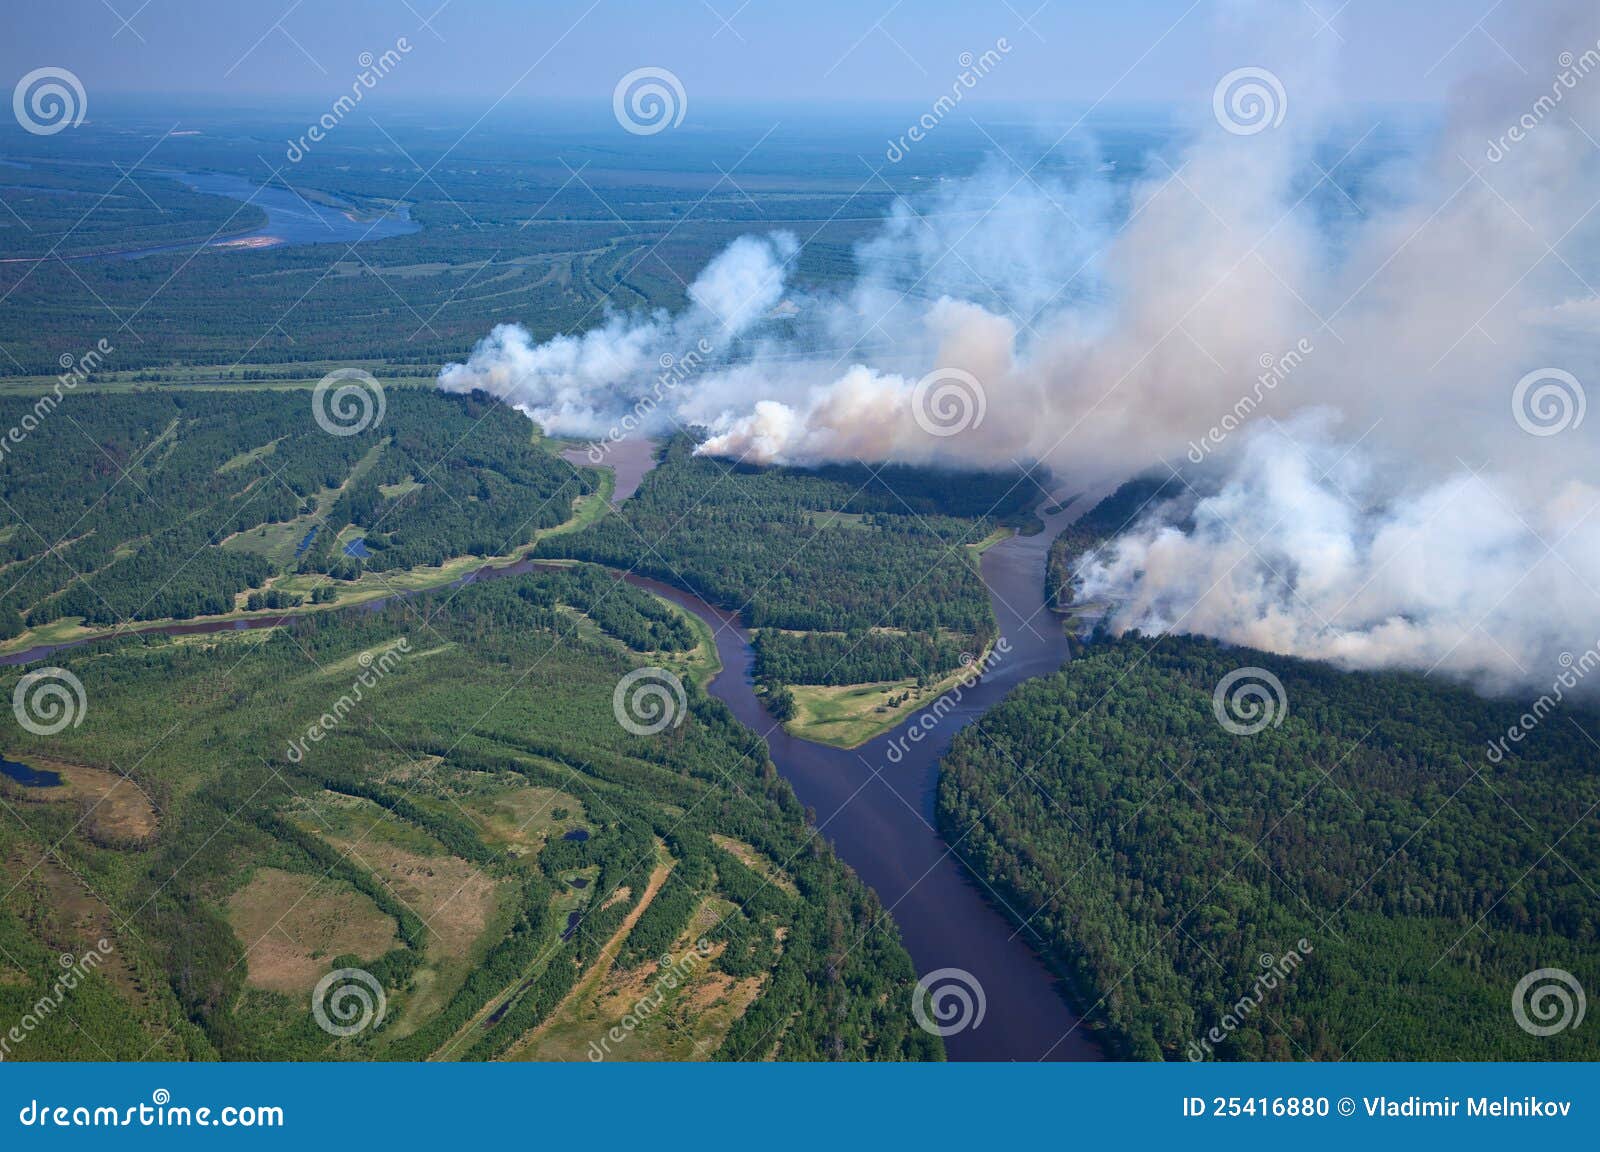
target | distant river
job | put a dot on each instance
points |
(291, 219)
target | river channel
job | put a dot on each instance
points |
(875, 803)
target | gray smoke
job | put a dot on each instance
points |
(1419, 491)
(1338, 391)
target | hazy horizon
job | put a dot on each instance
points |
(494, 51)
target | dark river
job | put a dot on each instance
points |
(879, 814)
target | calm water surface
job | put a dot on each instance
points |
(291, 219)
(29, 777)
(629, 459)
(880, 815)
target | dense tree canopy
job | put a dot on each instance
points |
(148, 506)
(1159, 856)
(824, 552)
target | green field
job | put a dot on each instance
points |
(424, 838)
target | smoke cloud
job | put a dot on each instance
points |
(1369, 372)
(1304, 551)
(578, 385)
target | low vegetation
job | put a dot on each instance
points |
(477, 832)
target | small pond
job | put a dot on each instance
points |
(29, 777)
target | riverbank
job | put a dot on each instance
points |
(876, 802)
(849, 715)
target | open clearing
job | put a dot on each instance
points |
(525, 818)
(680, 1011)
(455, 898)
(293, 925)
(569, 1024)
(849, 715)
(754, 861)
(118, 810)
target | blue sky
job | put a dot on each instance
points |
(733, 52)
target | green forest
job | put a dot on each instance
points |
(858, 657)
(477, 831)
(506, 234)
(177, 504)
(429, 780)
(850, 574)
(1168, 859)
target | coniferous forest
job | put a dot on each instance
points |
(1169, 858)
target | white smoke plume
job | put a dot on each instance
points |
(1439, 511)
(1343, 382)
(1303, 550)
(576, 385)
